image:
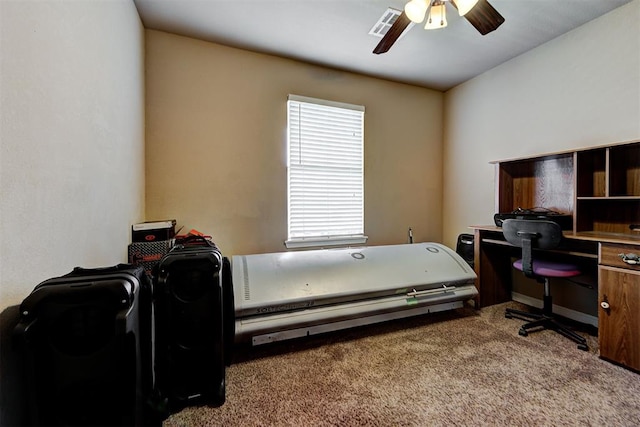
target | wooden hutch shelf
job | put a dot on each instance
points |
(598, 187)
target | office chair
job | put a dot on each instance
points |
(538, 234)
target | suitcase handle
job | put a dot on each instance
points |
(80, 271)
(193, 238)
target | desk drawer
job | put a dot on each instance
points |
(609, 254)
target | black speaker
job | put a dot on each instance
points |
(465, 248)
(86, 341)
(190, 325)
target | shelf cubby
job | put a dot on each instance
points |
(624, 172)
(542, 182)
(592, 173)
(610, 215)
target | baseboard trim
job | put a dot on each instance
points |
(559, 310)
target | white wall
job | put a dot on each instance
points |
(579, 90)
(72, 138)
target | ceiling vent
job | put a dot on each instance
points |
(385, 22)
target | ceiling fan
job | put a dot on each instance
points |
(484, 17)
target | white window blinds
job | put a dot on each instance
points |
(325, 172)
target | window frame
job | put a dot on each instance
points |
(293, 242)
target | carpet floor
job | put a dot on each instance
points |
(458, 368)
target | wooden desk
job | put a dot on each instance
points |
(599, 188)
(492, 256)
(618, 283)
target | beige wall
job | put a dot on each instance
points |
(579, 90)
(216, 142)
(72, 138)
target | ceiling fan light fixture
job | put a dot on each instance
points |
(416, 10)
(465, 6)
(480, 14)
(437, 16)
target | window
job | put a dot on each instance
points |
(325, 172)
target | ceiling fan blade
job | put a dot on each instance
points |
(400, 24)
(484, 17)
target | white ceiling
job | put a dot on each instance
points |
(334, 33)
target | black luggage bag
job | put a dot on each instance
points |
(87, 342)
(194, 324)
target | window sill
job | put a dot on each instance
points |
(327, 241)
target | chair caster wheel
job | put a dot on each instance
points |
(583, 347)
(523, 332)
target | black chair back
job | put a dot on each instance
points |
(529, 235)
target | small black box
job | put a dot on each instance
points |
(153, 231)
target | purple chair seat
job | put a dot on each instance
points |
(551, 269)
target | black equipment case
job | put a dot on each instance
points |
(86, 338)
(565, 221)
(193, 327)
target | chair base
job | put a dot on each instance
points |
(538, 322)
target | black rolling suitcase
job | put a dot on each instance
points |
(87, 342)
(192, 324)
